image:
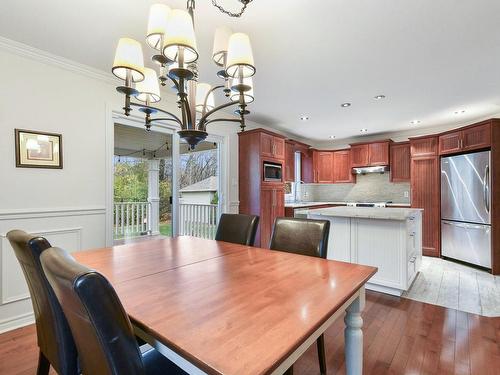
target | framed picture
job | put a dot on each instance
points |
(38, 150)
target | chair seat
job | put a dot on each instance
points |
(157, 364)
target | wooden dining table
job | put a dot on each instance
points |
(214, 307)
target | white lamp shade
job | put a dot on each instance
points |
(239, 56)
(149, 88)
(248, 95)
(221, 40)
(157, 25)
(202, 90)
(180, 33)
(128, 57)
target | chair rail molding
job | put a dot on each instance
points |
(45, 57)
(32, 213)
(6, 263)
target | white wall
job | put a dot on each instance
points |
(47, 93)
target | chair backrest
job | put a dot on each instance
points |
(54, 335)
(101, 328)
(301, 236)
(237, 228)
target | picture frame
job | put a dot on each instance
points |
(35, 149)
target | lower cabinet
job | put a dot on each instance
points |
(393, 246)
(272, 205)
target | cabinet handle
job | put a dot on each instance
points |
(413, 259)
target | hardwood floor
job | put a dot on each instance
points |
(401, 336)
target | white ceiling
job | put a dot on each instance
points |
(430, 58)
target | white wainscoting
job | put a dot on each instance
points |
(72, 229)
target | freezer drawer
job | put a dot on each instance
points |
(467, 242)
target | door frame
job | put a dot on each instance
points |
(116, 116)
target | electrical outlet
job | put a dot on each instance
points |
(406, 194)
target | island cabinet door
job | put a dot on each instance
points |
(382, 244)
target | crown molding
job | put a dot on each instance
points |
(45, 57)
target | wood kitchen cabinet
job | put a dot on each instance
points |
(323, 166)
(400, 162)
(359, 155)
(469, 138)
(256, 197)
(342, 172)
(289, 161)
(272, 146)
(425, 190)
(307, 172)
(370, 154)
(272, 206)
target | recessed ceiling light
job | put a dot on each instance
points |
(415, 122)
(460, 112)
(304, 118)
(364, 130)
(344, 105)
(332, 137)
(378, 97)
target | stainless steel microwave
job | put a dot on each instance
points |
(272, 172)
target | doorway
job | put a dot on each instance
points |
(200, 189)
(143, 184)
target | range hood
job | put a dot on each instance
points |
(364, 170)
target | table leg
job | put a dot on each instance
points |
(354, 336)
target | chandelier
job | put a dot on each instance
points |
(171, 34)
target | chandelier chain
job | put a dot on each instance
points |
(231, 14)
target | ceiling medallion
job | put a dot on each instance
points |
(171, 33)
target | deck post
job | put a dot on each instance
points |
(154, 195)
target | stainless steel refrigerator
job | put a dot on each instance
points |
(465, 208)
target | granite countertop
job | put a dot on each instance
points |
(309, 204)
(367, 212)
(312, 204)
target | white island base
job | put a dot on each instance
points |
(387, 238)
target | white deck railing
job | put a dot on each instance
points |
(132, 218)
(197, 219)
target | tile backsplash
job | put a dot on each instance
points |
(374, 187)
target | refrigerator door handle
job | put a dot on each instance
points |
(486, 188)
(466, 225)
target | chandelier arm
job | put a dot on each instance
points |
(177, 119)
(203, 119)
(166, 119)
(223, 120)
(206, 97)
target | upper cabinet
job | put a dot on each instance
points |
(359, 155)
(272, 146)
(323, 166)
(289, 161)
(466, 139)
(342, 167)
(378, 153)
(400, 162)
(370, 154)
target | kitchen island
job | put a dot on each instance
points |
(387, 238)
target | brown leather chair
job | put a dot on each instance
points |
(304, 237)
(55, 341)
(237, 228)
(100, 326)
